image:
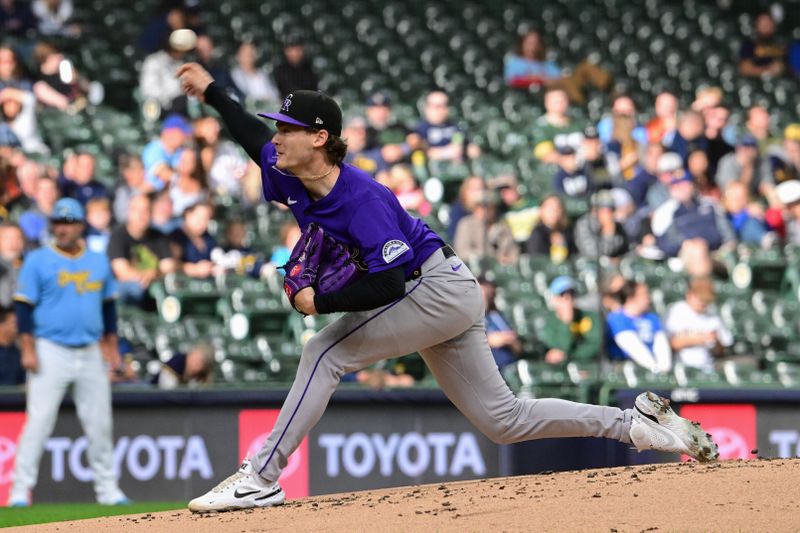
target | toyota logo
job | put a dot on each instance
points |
(730, 443)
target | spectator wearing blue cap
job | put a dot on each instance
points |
(569, 333)
(635, 333)
(668, 166)
(161, 156)
(690, 227)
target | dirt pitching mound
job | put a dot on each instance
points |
(731, 496)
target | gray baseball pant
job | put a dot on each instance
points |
(441, 316)
(60, 367)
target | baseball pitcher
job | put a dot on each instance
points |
(414, 295)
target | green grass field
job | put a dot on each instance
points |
(40, 514)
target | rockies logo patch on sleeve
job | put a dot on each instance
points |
(394, 249)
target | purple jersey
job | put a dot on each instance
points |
(358, 212)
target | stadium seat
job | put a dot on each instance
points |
(698, 378)
(746, 375)
(788, 374)
(178, 295)
(637, 377)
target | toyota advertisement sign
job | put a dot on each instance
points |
(254, 429)
(175, 453)
(351, 450)
(165, 454)
(733, 427)
(747, 431)
(10, 429)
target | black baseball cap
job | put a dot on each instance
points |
(565, 149)
(379, 99)
(310, 109)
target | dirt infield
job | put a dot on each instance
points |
(758, 495)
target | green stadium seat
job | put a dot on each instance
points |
(638, 377)
(178, 295)
(698, 378)
(747, 375)
(788, 374)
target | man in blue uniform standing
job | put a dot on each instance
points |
(68, 324)
(417, 296)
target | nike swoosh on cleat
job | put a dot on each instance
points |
(238, 494)
(651, 417)
(456, 267)
(270, 495)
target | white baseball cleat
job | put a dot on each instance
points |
(116, 498)
(655, 426)
(243, 490)
(19, 497)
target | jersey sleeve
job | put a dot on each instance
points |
(375, 230)
(619, 323)
(28, 281)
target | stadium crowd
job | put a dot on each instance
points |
(676, 183)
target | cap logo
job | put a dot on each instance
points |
(318, 121)
(286, 103)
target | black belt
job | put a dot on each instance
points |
(446, 250)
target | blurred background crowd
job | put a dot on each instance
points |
(625, 178)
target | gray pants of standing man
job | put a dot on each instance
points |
(441, 316)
